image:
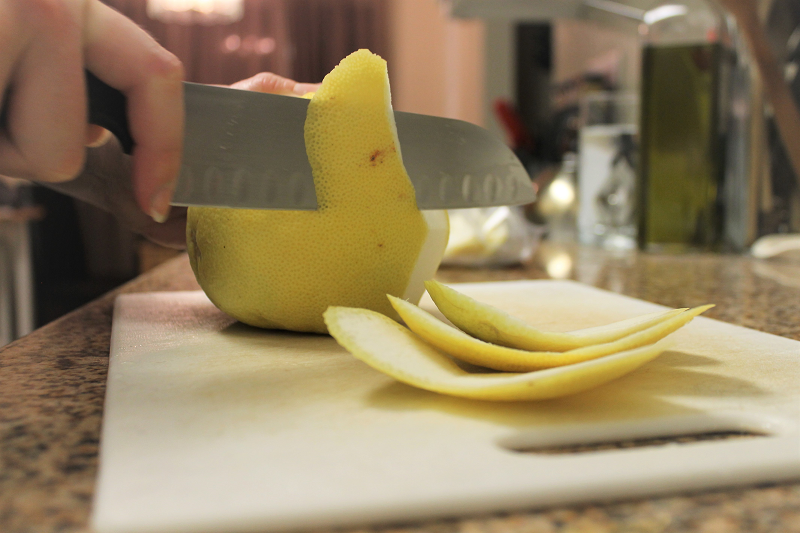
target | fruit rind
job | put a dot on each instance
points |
(477, 352)
(495, 326)
(396, 351)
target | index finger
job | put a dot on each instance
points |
(268, 82)
(125, 57)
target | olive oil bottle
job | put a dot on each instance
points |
(681, 130)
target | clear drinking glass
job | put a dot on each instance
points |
(607, 169)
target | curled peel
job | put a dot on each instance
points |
(460, 345)
(492, 325)
(392, 349)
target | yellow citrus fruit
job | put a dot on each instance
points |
(282, 269)
(490, 324)
(392, 349)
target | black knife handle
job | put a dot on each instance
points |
(108, 108)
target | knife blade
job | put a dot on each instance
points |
(246, 149)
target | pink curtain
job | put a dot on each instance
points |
(300, 39)
(325, 31)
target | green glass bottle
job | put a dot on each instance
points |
(682, 124)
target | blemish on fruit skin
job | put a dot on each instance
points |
(378, 155)
(380, 245)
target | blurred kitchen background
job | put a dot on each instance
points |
(530, 70)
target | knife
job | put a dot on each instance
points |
(246, 149)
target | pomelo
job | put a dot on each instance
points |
(367, 239)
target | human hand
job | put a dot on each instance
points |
(105, 180)
(46, 45)
(267, 82)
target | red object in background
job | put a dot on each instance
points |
(507, 115)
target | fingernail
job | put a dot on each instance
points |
(97, 136)
(159, 205)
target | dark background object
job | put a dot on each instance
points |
(63, 277)
(534, 70)
(783, 31)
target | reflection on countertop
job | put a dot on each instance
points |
(784, 270)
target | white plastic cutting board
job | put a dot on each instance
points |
(210, 425)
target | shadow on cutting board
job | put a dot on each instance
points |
(643, 393)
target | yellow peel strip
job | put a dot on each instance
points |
(469, 349)
(492, 325)
(392, 349)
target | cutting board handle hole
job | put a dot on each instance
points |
(666, 431)
(638, 443)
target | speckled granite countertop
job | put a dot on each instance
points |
(52, 384)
